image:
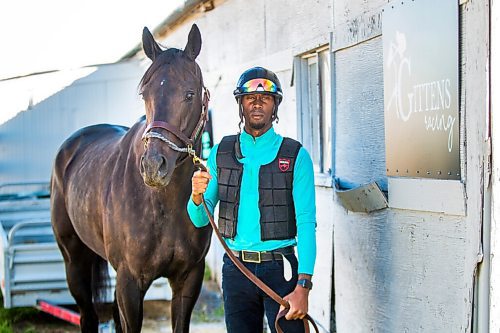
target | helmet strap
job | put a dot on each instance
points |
(275, 113)
(240, 111)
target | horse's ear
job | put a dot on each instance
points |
(193, 45)
(151, 48)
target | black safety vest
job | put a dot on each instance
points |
(277, 211)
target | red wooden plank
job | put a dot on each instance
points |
(59, 312)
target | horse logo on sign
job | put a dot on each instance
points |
(284, 164)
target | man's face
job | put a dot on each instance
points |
(258, 112)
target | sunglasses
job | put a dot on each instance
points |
(259, 85)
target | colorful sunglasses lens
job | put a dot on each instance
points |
(259, 85)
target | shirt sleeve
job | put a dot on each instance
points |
(305, 211)
(196, 213)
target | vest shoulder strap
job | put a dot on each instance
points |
(227, 144)
(225, 154)
(289, 148)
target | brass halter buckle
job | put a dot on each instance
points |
(192, 152)
(251, 256)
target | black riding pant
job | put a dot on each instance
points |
(245, 304)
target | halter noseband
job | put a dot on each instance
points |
(189, 142)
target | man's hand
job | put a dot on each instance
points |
(298, 300)
(199, 184)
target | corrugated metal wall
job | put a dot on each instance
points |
(29, 141)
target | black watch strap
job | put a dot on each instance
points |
(305, 283)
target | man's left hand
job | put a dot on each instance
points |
(299, 303)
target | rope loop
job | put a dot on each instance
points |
(172, 145)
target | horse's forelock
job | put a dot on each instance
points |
(166, 57)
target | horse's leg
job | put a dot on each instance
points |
(116, 316)
(79, 277)
(129, 297)
(185, 292)
(78, 260)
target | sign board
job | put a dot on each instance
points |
(421, 101)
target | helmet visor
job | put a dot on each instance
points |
(259, 85)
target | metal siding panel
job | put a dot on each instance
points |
(29, 141)
(360, 137)
(389, 270)
(123, 95)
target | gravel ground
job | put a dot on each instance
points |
(208, 317)
(208, 314)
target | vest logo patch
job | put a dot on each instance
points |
(284, 164)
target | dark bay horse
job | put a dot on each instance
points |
(120, 195)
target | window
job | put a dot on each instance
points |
(314, 107)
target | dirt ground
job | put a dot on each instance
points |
(208, 317)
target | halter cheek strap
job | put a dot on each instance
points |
(188, 142)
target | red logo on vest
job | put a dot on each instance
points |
(284, 164)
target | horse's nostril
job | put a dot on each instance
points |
(141, 164)
(162, 169)
(154, 166)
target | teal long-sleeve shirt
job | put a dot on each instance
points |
(260, 151)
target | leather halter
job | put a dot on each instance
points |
(188, 141)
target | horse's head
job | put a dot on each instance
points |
(176, 107)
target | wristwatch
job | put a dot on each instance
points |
(305, 283)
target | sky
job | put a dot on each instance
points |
(42, 35)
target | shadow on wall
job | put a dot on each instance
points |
(363, 238)
(29, 140)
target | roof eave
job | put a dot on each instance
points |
(173, 19)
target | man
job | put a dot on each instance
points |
(265, 185)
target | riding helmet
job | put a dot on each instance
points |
(259, 80)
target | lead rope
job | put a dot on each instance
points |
(271, 293)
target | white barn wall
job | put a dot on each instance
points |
(400, 270)
(475, 96)
(495, 177)
(29, 141)
(237, 35)
(321, 300)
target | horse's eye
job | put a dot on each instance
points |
(189, 96)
